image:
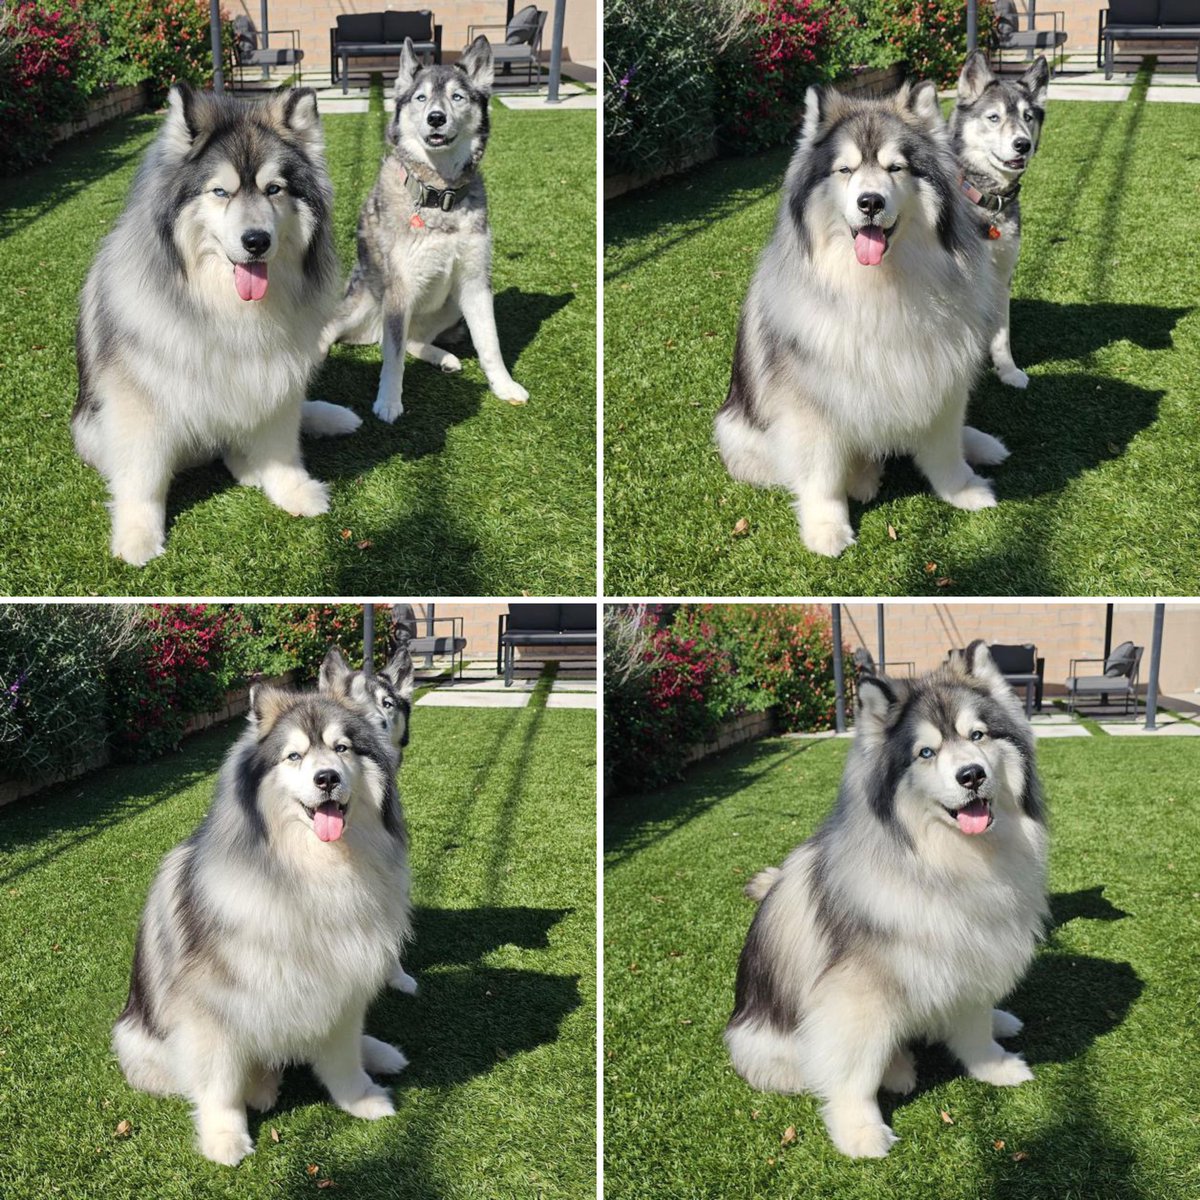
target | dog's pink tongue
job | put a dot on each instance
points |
(869, 244)
(973, 817)
(250, 279)
(328, 822)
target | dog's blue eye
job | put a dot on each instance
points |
(388, 704)
(457, 97)
(421, 98)
(341, 748)
(845, 171)
(895, 167)
(273, 189)
(221, 192)
(293, 757)
(926, 752)
(993, 117)
(976, 735)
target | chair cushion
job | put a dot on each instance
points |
(360, 27)
(1179, 12)
(541, 617)
(523, 26)
(1120, 661)
(245, 36)
(579, 617)
(1133, 12)
(400, 25)
(1099, 683)
(1014, 660)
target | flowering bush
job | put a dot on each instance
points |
(782, 47)
(303, 632)
(41, 52)
(164, 41)
(930, 36)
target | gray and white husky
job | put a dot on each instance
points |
(909, 914)
(996, 126)
(384, 697)
(424, 244)
(268, 932)
(200, 320)
(867, 319)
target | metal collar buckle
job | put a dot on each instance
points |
(444, 199)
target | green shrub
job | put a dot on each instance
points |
(930, 36)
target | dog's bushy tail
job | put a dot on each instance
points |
(762, 883)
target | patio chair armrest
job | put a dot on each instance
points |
(471, 29)
(1084, 660)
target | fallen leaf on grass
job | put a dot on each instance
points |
(123, 1129)
(946, 1117)
(365, 544)
(274, 1134)
(326, 1183)
(741, 528)
(930, 567)
(312, 1169)
(1020, 1156)
(346, 535)
(789, 1136)
(999, 1143)
(892, 532)
(754, 1113)
(945, 581)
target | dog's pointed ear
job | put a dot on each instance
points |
(974, 77)
(184, 120)
(921, 101)
(335, 670)
(1037, 80)
(476, 63)
(409, 66)
(978, 662)
(817, 102)
(400, 670)
(296, 110)
(266, 706)
(876, 699)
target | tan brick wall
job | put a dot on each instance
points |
(922, 633)
(315, 18)
(479, 628)
(1080, 19)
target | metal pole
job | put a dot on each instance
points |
(264, 36)
(972, 25)
(1108, 616)
(560, 12)
(368, 637)
(839, 684)
(214, 21)
(882, 651)
(429, 614)
(1155, 652)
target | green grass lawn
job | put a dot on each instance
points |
(1100, 494)
(499, 1099)
(1113, 1112)
(454, 499)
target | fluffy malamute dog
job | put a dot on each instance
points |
(267, 933)
(424, 245)
(909, 914)
(200, 320)
(867, 319)
(996, 126)
(384, 697)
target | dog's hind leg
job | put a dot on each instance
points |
(865, 477)
(269, 458)
(901, 1074)
(940, 459)
(338, 1064)
(262, 1088)
(402, 981)
(475, 299)
(1004, 1024)
(358, 320)
(981, 449)
(442, 359)
(381, 1058)
(971, 1041)
(318, 418)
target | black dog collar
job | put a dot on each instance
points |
(426, 196)
(992, 201)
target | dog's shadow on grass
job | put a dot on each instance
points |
(1045, 331)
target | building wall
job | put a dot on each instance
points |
(922, 633)
(479, 628)
(1080, 19)
(315, 18)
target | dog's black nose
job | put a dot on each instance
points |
(436, 118)
(971, 776)
(1022, 145)
(256, 241)
(327, 779)
(870, 203)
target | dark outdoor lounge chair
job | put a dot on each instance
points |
(1010, 36)
(381, 35)
(430, 642)
(1120, 677)
(1022, 668)
(542, 625)
(247, 53)
(522, 43)
(1147, 21)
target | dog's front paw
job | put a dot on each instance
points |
(981, 449)
(872, 1140)
(137, 544)
(901, 1075)
(374, 1103)
(510, 390)
(402, 981)
(827, 537)
(381, 1058)
(1013, 376)
(321, 419)
(387, 407)
(1008, 1071)
(305, 498)
(1005, 1025)
(975, 495)
(226, 1146)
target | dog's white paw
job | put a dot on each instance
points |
(450, 363)
(872, 1140)
(981, 449)
(381, 1058)
(264, 1091)
(827, 537)
(1008, 1071)
(510, 390)
(864, 483)
(1013, 376)
(976, 495)
(226, 1146)
(901, 1075)
(137, 544)
(387, 407)
(1005, 1025)
(305, 498)
(321, 419)
(402, 981)
(374, 1103)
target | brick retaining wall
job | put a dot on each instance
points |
(734, 732)
(103, 107)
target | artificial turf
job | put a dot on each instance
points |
(1113, 1112)
(499, 1099)
(456, 498)
(1101, 494)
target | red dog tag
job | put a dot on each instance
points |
(416, 222)
(993, 232)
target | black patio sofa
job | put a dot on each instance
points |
(542, 625)
(379, 35)
(1147, 21)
